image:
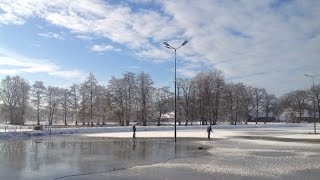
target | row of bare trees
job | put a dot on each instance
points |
(207, 98)
(210, 99)
(300, 101)
(124, 99)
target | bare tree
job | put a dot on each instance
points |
(23, 97)
(65, 101)
(317, 95)
(38, 91)
(74, 98)
(229, 101)
(88, 93)
(240, 100)
(144, 84)
(186, 87)
(179, 103)
(8, 95)
(14, 95)
(248, 102)
(162, 98)
(105, 103)
(217, 85)
(209, 87)
(52, 101)
(269, 103)
(258, 95)
(92, 84)
(117, 94)
(193, 102)
(298, 101)
(130, 89)
(84, 98)
(202, 86)
(285, 106)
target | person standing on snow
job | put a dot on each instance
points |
(209, 130)
(134, 131)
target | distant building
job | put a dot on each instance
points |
(167, 117)
(289, 116)
(262, 117)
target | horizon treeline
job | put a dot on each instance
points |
(132, 98)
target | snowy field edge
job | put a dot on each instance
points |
(91, 130)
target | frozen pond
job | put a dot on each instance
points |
(232, 159)
(256, 153)
(55, 157)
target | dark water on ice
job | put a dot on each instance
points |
(55, 157)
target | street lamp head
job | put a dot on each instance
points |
(184, 43)
(307, 75)
(166, 44)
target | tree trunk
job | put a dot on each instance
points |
(38, 113)
(267, 113)
(300, 115)
(11, 116)
(257, 114)
(159, 118)
(319, 110)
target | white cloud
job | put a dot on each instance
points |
(116, 22)
(103, 48)
(252, 42)
(158, 55)
(8, 72)
(15, 64)
(8, 18)
(135, 67)
(189, 73)
(84, 37)
(51, 35)
(249, 41)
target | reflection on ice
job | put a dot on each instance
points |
(49, 158)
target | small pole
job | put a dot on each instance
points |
(314, 107)
(175, 95)
(314, 103)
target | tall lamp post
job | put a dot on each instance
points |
(167, 45)
(314, 103)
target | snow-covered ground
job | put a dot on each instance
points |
(14, 128)
(272, 151)
(289, 131)
(220, 131)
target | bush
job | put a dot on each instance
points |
(38, 128)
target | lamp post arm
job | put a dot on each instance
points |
(179, 47)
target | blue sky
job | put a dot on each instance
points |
(268, 44)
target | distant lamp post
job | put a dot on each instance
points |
(314, 103)
(167, 45)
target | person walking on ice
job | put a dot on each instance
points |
(134, 131)
(209, 130)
